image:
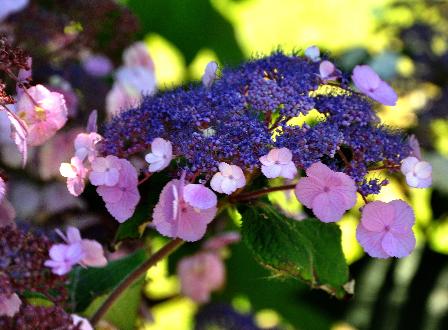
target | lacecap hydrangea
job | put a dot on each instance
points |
(247, 112)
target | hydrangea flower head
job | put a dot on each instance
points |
(327, 192)
(210, 74)
(184, 211)
(201, 274)
(278, 163)
(76, 174)
(385, 229)
(160, 156)
(370, 84)
(105, 171)
(43, 111)
(228, 179)
(418, 172)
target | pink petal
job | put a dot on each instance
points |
(192, 224)
(404, 217)
(284, 156)
(365, 78)
(216, 182)
(93, 254)
(161, 147)
(289, 171)
(73, 235)
(225, 169)
(328, 207)
(199, 196)
(228, 186)
(326, 69)
(307, 190)
(346, 188)
(92, 126)
(120, 212)
(398, 244)
(320, 172)
(377, 215)
(266, 160)
(408, 164)
(384, 94)
(371, 242)
(423, 170)
(272, 171)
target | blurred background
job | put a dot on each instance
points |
(406, 42)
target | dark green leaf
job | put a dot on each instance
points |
(308, 249)
(87, 284)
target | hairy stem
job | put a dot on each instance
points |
(132, 277)
(257, 193)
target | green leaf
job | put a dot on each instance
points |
(37, 299)
(87, 284)
(124, 311)
(309, 250)
(135, 226)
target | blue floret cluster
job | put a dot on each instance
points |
(248, 111)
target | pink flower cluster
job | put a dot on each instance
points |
(134, 79)
(115, 178)
(75, 250)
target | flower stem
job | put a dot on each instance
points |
(132, 277)
(257, 193)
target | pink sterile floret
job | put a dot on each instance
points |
(327, 192)
(327, 71)
(9, 304)
(86, 145)
(105, 171)
(418, 172)
(160, 156)
(184, 211)
(43, 111)
(76, 175)
(228, 179)
(63, 257)
(370, 84)
(201, 274)
(278, 162)
(313, 53)
(385, 229)
(122, 198)
(210, 75)
(93, 253)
